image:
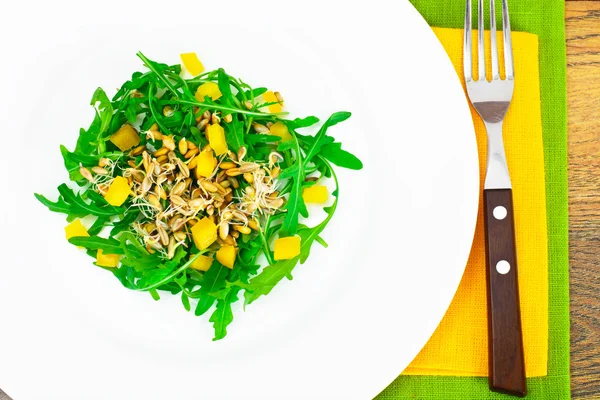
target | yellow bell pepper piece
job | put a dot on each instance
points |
(216, 138)
(287, 248)
(192, 63)
(205, 165)
(202, 263)
(118, 191)
(125, 138)
(75, 229)
(269, 97)
(226, 255)
(316, 194)
(209, 89)
(107, 260)
(204, 233)
(280, 129)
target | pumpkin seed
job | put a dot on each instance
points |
(209, 186)
(180, 235)
(253, 224)
(138, 150)
(153, 199)
(248, 167)
(234, 182)
(86, 173)
(202, 125)
(233, 172)
(183, 168)
(191, 153)
(183, 146)
(168, 143)
(193, 162)
(223, 230)
(160, 152)
(162, 233)
(178, 189)
(242, 229)
(279, 97)
(168, 111)
(260, 128)
(177, 200)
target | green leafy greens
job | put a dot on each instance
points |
(252, 204)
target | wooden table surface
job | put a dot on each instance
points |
(583, 88)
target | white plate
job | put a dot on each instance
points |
(355, 314)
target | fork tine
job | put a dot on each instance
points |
(480, 41)
(493, 43)
(508, 56)
(467, 44)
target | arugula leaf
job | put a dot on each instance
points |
(334, 153)
(263, 283)
(98, 225)
(253, 139)
(234, 135)
(61, 206)
(76, 200)
(295, 205)
(299, 123)
(127, 276)
(158, 69)
(223, 316)
(321, 137)
(70, 165)
(103, 108)
(185, 300)
(108, 246)
(213, 281)
(123, 224)
(224, 86)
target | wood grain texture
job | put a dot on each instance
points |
(506, 357)
(583, 86)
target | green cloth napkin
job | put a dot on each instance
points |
(545, 19)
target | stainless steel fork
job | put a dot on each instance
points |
(492, 99)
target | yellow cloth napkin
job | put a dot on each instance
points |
(459, 346)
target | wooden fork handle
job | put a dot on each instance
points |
(506, 358)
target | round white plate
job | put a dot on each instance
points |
(355, 314)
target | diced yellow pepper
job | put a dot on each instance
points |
(118, 191)
(209, 89)
(206, 164)
(202, 263)
(107, 260)
(125, 138)
(280, 129)
(269, 97)
(287, 248)
(317, 194)
(216, 138)
(75, 229)
(192, 63)
(226, 255)
(204, 233)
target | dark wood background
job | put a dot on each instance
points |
(583, 87)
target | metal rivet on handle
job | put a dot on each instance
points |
(500, 212)
(502, 267)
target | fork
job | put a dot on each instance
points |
(492, 99)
